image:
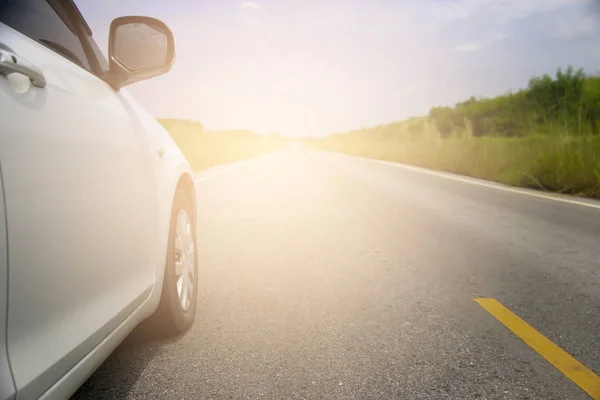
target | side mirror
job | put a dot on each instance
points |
(139, 48)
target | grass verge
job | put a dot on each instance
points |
(205, 149)
(564, 164)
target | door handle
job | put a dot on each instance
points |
(11, 63)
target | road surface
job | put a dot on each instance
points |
(328, 277)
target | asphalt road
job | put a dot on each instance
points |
(327, 277)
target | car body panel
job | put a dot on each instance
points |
(174, 168)
(68, 383)
(7, 387)
(87, 245)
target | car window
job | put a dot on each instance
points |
(47, 22)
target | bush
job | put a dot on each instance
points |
(568, 103)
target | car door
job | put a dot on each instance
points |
(80, 194)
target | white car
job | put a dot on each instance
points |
(97, 203)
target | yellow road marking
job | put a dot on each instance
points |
(563, 361)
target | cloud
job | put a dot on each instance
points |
(251, 19)
(498, 9)
(475, 46)
(250, 5)
(577, 28)
(469, 47)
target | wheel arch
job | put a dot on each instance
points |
(186, 187)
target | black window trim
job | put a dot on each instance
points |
(80, 29)
(84, 34)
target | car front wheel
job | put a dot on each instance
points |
(177, 308)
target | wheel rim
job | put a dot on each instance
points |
(185, 260)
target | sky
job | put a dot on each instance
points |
(316, 67)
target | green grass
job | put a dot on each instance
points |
(546, 136)
(205, 149)
(565, 164)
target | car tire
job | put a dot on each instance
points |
(177, 308)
